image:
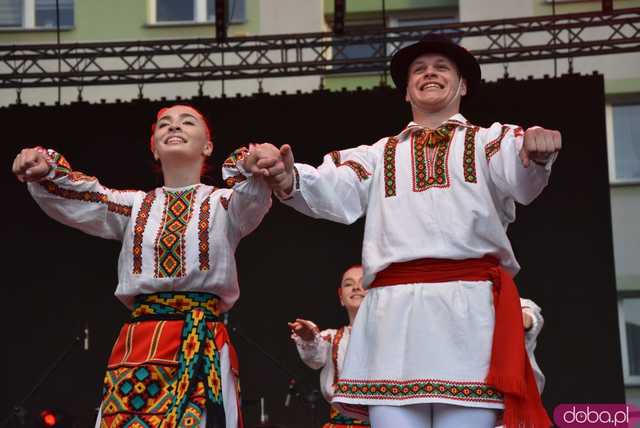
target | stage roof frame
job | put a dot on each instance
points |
(259, 57)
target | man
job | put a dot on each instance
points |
(435, 342)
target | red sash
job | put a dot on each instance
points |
(510, 370)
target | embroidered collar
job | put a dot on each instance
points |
(456, 119)
(180, 189)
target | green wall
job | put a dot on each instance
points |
(119, 20)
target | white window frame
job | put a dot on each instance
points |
(611, 148)
(199, 14)
(629, 380)
(29, 18)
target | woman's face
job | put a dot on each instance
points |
(181, 135)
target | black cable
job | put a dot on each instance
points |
(59, 51)
(555, 52)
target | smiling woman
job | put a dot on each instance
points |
(173, 364)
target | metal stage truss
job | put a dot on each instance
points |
(259, 57)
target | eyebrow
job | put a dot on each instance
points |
(436, 62)
(182, 115)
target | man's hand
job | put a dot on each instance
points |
(539, 144)
(276, 165)
(30, 165)
(305, 330)
(527, 320)
(280, 170)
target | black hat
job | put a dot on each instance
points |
(435, 43)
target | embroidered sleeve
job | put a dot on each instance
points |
(80, 201)
(337, 190)
(502, 145)
(250, 197)
(315, 353)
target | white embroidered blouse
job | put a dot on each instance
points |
(173, 239)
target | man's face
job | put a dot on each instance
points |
(351, 291)
(434, 83)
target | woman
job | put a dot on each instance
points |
(326, 349)
(172, 364)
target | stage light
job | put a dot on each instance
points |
(50, 418)
(339, 10)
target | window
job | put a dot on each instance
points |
(626, 142)
(35, 13)
(198, 11)
(629, 313)
(11, 12)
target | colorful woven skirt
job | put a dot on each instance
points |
(338, 420)
(165, 367)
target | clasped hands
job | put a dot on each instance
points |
(274, 164)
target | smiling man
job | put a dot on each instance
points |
(437, 342)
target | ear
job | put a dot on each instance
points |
(340, 296)
(208, 149)
(463, 89)
(406, 95)
(154, 151)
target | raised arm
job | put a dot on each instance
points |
(337, 190)
(314, 347)
(520, 162)
(72, 198)
(250, 198)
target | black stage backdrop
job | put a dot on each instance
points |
(56, 278)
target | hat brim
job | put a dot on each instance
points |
(467, 64)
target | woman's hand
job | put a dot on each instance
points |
(30, 165)
(305, 330)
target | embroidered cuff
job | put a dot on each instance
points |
(307, 344)
(58, 165)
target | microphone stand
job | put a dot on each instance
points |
(18, 411)
(309, 399)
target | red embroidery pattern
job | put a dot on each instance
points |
(94, 197)
(225, 201)
(430, 157)
(390, 167)
(237, 155)
(494, 146)
(334, 353)
(419, 388)
(138, 230)
(203, 233)
(469, 158)
(335, 156)
(170, 245)
(357, 167)
(232, 181)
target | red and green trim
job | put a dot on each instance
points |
(390, 167)
(421, 388)
(469, 158)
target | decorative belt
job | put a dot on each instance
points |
(338, 420)
(198, 356)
